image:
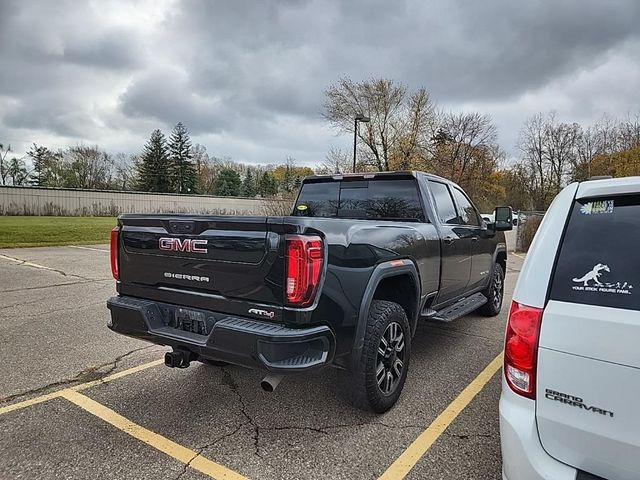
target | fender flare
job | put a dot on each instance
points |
(384, 270)
(500, 248)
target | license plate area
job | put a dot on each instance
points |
(191, 321)
(188, 320)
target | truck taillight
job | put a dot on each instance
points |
(521, 348)
(115, 271)
(304, 258)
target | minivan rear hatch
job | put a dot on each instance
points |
(588, 381)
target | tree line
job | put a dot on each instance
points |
(170, 165)
(406, 131)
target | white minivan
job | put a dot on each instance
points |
(570, 403)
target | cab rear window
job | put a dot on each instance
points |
(385, 199)
(599, 261)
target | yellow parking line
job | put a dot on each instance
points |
(28, 403)
(519, 256)
(405, 462)
(174, 450)
(82, 386)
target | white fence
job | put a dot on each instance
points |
(71, 202)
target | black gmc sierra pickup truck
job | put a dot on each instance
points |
(342, 281)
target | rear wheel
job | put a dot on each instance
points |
(380, 373)
(494, 293)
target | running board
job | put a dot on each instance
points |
(459, 309)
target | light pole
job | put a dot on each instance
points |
(359, 118)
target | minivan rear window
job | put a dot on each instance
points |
(599, 261)
(385, 199)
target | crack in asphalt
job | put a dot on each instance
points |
(228, 380)
(210, 444)
(27, 263)
(450, 331)
(323, 429)
(58, 310)
(89, 374)
(468, 435)
(53, 285)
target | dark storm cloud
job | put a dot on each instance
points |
(254, 73)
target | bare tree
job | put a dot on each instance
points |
(200, 156)
(395, 116)
(124, 172)
(549, 149)
(4, 165)
(336, 161)
(418, 127)
(465, 135)
(629, 133)
(87, 167)
(534, 164)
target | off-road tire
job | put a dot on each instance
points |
(360, 385)
(494, 293)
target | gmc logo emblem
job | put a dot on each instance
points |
(183, 245)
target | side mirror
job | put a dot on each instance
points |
(503, 219)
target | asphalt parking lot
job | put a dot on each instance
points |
(78, 401)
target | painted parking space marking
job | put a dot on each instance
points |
(396, 471)
(77, 388)
(30, 402)
(89, 248)
(19, 261)
(408, 459)
(157, 441)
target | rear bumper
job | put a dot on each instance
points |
(523, 457)
(241, 341)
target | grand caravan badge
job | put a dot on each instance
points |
(594, 275)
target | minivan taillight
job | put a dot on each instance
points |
(521, 348)
(115, 271)
(304, 258)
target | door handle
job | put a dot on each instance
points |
(448, 240)
(474, 239)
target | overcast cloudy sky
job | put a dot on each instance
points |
(247, 78)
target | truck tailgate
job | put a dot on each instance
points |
(203, 257)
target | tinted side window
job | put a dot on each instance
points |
(468, 214)
(393, 199)
(444, 202)
(320, 199)
(600, 255)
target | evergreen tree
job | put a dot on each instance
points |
(268, 185)
(228, 183)
(153, 168)
(183, 171)
(249, 184)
